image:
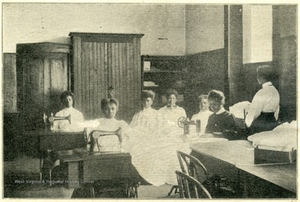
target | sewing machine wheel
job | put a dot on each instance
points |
(181, 121)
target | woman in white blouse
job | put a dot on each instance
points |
(204, 112)
(264, 108)
(172, 112)
(67, 100)
(153, 145)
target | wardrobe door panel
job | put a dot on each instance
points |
(42, 75)
(104, 60)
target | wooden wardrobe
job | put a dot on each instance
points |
(102, 60)
(42, 75)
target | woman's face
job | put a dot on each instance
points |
(204, 104)
(68, 101)
(147, 103)
(172, 100)
(214, 105)
(110, 111)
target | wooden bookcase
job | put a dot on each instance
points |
(165, 72)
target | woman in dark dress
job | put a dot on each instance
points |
(221, 120)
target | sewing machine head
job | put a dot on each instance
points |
(94, 135)
(185, 123)
(52, 119)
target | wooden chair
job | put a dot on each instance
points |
(193, 167)
(189, 187)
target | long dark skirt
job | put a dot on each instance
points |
(265, 122)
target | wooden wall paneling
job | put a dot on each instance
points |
(132, 88)
(205, 72)
(251, 85)
(76, 64)
(83, 74)
(288, 78)
(112, 62)
(10, 83)
(93, 75)
(11, 136)
(235, 54)
(119, 65)
(103, 72)
(125, 74)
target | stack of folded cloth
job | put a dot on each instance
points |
(283, 137)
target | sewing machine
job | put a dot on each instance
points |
(185, 123)
(52, 119)
(95, 134)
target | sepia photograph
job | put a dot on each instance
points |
(149, 100)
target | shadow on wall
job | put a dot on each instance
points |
(63, 40)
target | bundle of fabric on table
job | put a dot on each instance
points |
(283, 136)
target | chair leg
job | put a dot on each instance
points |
(176, 190)
(132, 192)
(92, 192)
(174, 187)
(136, 191)
(41, 168)
(50, 182)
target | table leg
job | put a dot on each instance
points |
(73, 180)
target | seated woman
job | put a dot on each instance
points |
(67, 100)
(76, 118)
(221, 120)
(172, 112)
(264, 108)
(147, 118)
(109, 107)
(203, 114)
(153, 146)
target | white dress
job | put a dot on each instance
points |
(65, 125)
(203, 117)
(153, 148)
(171, 116)
(111, 143)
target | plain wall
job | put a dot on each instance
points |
(204, 28)
(162, 24)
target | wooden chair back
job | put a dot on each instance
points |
(189, 187)
(192, 166)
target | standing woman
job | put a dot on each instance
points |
(264, 108)
(67, 100)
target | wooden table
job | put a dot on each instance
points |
(239, 156)
(281, 175)
(58, 141)
(104, 166)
